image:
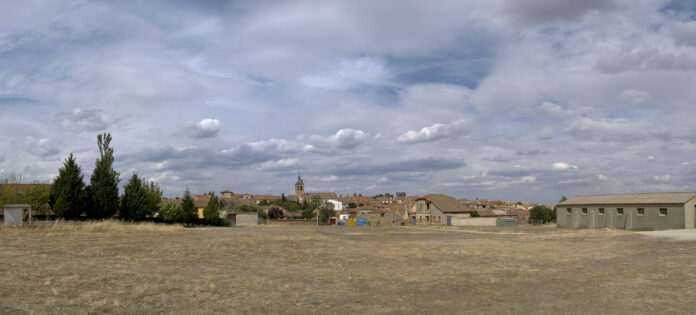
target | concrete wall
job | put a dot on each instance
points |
(676, 217)
(473, 221)
(251, 218)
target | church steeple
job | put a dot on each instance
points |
(299, 188)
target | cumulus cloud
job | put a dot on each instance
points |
(206, 128)
(343, 139)
(549, 109)
(563, 166)
(602, 177)
(435, 132)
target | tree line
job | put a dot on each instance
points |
(70, 198)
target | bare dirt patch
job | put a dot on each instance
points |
(678, 235)
(300, 269)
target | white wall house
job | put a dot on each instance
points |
(338, 206)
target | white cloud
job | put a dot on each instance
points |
(602, 177)
(348, 74)
(651, 158)
(343, 139)
(206, 128)
(549, 109)
(663, 178)
(634, 96)
(563, 166)
(436, 132)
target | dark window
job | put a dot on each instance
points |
(601, 210)
(569, 210)
(584, 210)
(641, 211)
(619, 211)
(663, 211)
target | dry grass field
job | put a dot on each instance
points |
(116, 268)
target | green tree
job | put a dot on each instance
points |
(172, 212)
(275, 213)
(211, 212)
(154, 196)
(7, 195)
(352, 205)
(38, 197)
(103, 189)
(134, 204)
(542, 213)
(475, 214)
(326, 211)
(189, 207)
(68, 196)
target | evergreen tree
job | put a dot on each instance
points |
(134, 204)
(188, 206)
(103, 188)
(68, 196)
(154, 196)
(211, 213)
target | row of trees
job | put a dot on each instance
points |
(69, 197)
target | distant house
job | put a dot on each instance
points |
(338, 206)
(435, 208)
(226, 194)
(655, 211)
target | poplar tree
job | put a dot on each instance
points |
(68, 196)
(103, 189)
(134, 204)
(154, 196)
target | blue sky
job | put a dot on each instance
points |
(513, 100)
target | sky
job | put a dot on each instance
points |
(501, 99)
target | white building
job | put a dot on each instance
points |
(338, 206)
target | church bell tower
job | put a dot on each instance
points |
(299, 189)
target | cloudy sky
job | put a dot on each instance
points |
(501, 99)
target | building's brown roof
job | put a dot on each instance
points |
(624, 199)
(322, 195)
(446, 204)
(20, 189)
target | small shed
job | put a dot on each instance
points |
(17, 214)
(246, 218)
(506, 222)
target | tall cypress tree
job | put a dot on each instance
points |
(211, 213)
(68, 197)
(134, 204)
(189, 207)
(103, 189)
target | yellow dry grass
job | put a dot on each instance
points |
(304, 269)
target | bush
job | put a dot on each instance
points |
(475, 214)
(326, 211)
(172, 212)
(541, 213)
(275, 213)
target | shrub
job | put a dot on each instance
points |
(541, 213)
(172, 212)
(475, 214)
(275, 213)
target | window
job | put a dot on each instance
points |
(663, 211)
(601, 211)
(641, 211)
(569, 210)
(619, 211)
(584, 211)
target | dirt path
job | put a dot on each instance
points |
(679, 235)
